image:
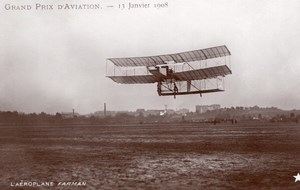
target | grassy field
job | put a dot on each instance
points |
(178, 156)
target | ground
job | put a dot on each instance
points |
(167, 156)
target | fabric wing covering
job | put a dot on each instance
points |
(137, 79)
(200, 74)
(196, 55)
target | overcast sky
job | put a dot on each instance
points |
(54, 61)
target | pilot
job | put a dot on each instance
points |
(175, 88)
(159, 88)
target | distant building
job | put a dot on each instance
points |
(183, 111)
(153, 112)
(205, 108)
(170, 111)
(104, 113)
(68, 115)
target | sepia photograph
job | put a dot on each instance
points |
(152, 94)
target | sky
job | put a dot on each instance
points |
(55, 60)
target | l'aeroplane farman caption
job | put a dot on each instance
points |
(84, 6)
(25, 183)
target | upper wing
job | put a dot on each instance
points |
(200, 74)
(189, 56)
(137, 79)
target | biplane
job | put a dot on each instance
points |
(193, 72)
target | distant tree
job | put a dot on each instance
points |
(255, 108)
(141, 115)
(259, 116)
(58, 116)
